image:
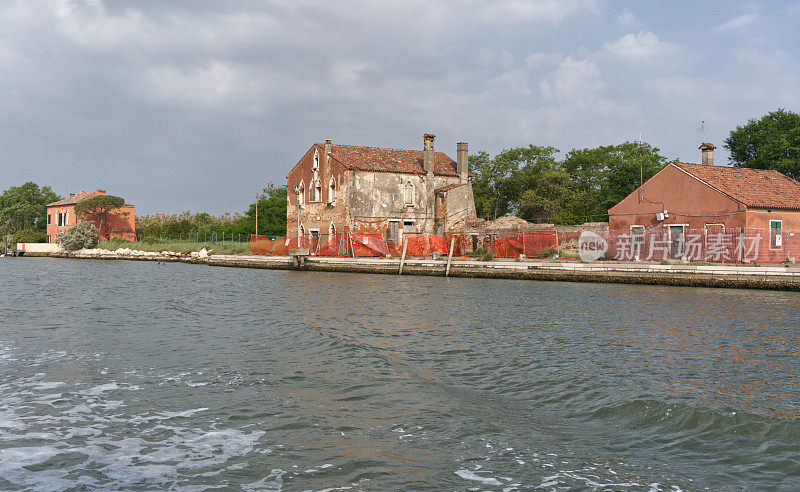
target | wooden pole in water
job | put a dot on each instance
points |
(403, 258)
(450, 256)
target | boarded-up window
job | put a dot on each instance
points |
(393, 234)
(408, 194)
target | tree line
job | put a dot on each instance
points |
(271, 219)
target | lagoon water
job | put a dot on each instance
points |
(134, 375)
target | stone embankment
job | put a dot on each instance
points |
(775, 277)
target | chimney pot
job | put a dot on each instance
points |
(428, 153)
(462, 161)
(707, 151)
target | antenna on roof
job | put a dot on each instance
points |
(703, 128)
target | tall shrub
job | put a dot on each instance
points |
(81, 235)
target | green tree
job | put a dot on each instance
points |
(28, 236)
(98, 207)
(544, 200)
(601, 177)
(271, 212)
(500, 182)
(24, 207)
(81, 235)
(771, 142)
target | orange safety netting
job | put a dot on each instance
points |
(426, 245)
(368, 245)
(535, 243)
(260, 245)
(283, 244)
(508, 247)
(335, 246)
(459, 245)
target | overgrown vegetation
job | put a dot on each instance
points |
(532, 183)
(548, 253)
(23, 212)
(271, 220)
(82, 235)
(770, 142)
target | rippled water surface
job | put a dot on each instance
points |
(134, 375)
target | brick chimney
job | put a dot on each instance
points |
(328, 146)
(427, 153)
(462, 161)
(708, 153)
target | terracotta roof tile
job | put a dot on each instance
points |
(757, 188)
(79, 197)
(390, 160)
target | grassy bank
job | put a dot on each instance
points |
(179, 246)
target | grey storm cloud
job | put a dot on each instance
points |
(196, 105)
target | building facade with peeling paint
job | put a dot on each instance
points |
(372, 190)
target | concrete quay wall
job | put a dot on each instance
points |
(776, 277)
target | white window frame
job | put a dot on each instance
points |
(683, 232)
(332, 190)
(316, 186)
(301, 196)
(637, 241)
(772, 241)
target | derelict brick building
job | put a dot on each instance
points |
(371, 190)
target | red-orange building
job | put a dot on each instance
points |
(705, 199)
(120, 222)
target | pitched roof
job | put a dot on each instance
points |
(757, 188)
(378, 159)
(78, 197)
(81, 196)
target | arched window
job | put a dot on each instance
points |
(332, 230)
(408, 193)
(332, 190)
(302, 230)
(315, 166)
(317, 191)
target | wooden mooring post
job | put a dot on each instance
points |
(449, 257)
(403, 258)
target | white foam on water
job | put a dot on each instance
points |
(468, 475)
(48, 385)
(273, 481)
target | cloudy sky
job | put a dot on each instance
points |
(196, 105)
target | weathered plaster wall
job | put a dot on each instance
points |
(375, 198)
(459, 206)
